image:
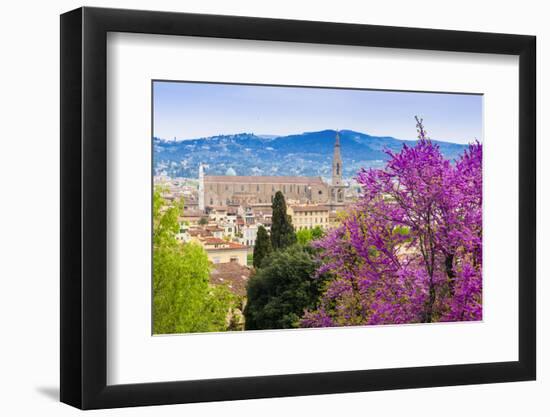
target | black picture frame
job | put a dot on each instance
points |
(84, 207)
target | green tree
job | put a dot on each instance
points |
(282, 289)
(183, 299)
(317, 233)
(282, 232)
(262, 247)
(305, 236)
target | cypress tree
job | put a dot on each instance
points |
(262, 247)
(282, 232)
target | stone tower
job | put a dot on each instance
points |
(337, 163)
(201, 187)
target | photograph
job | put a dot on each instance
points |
(290, 207)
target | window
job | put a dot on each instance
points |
(233, 259)
(257, 188)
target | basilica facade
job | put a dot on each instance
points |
(228, 190)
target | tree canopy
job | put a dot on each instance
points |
(262, 246)
(410, 249)
(305, 236)
(183, 299)
(280, 291)
(282, 231)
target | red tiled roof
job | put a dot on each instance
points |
(309, 208)
(199, 232)
(226, 245)
(233, 275)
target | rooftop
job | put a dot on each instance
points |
(233, 275)
(309, 208)
(217, 241)
(230, 179)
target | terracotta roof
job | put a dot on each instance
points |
(234, 245)
(199, 232)
(309, 208)
(232, 274)
(262, 180)
(193, 213)
(217, 241)
(211, 239)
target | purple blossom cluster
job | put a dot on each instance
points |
(410, 251)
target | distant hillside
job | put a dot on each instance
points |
(307, 154)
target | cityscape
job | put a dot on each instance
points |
(223, 213)
(234, 231)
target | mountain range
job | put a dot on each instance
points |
(304, 154)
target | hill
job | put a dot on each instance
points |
(305, 154)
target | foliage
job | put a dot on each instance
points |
(305, 236)
(280, 291)
(282, 231)
(411, 249)
(203, 221)
(262, 247)
(183, 299)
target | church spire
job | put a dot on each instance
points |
(201, 186)
(337, 162)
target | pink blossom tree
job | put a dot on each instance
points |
(410, 250)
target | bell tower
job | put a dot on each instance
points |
(201, 186)
(337, 163)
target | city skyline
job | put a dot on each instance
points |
(189, 110)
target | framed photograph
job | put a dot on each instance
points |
(256, 208)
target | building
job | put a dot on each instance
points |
(249, 233)
(309, 216)
(215, 230)
(338, 187)
(232, 275)
(246, 190)
(228, 190)
(201, 187)
(220, 251)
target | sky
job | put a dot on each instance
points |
(184, 110)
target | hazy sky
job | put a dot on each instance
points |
(193, 110)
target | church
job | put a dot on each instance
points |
(228, 190)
